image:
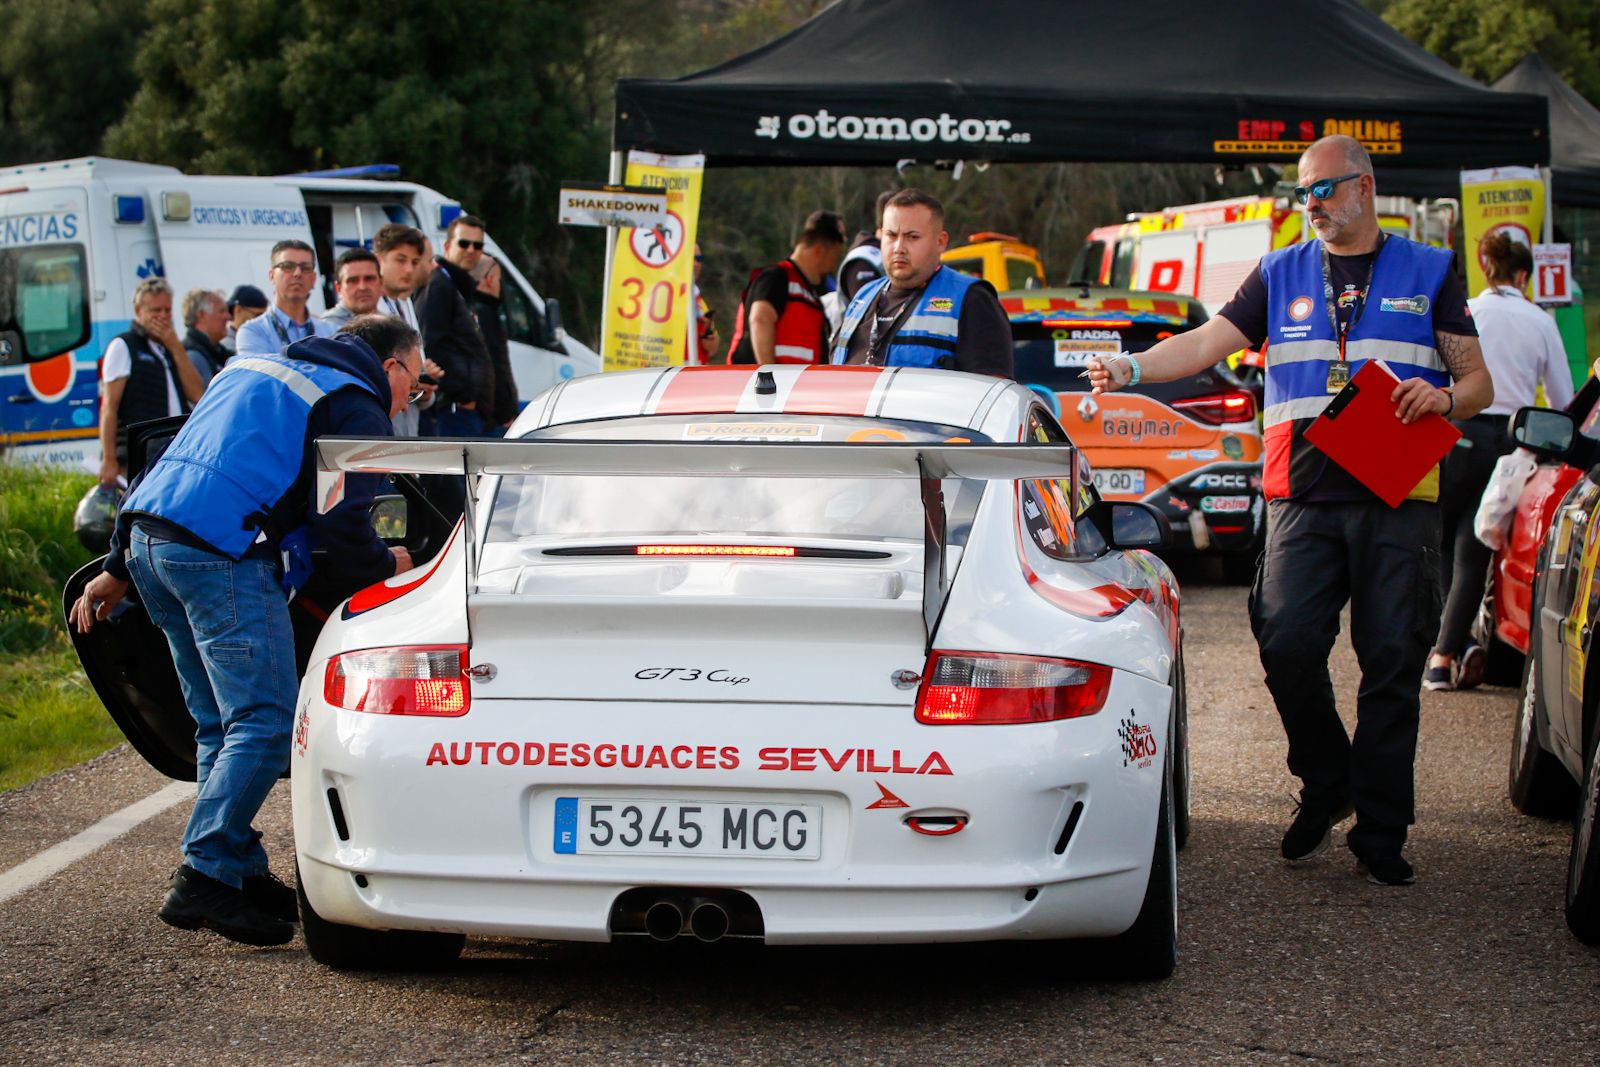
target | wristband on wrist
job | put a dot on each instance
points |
(1134, 378)
(1451, 410)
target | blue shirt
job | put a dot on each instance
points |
(269, 333)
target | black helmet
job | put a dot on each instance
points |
(96, 517)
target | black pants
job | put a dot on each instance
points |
(1465, 568)
(1385, 563)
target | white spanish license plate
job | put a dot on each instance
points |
(687, 828)
(1119, 480)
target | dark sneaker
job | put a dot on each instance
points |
(1312, 829)
(272, 897)
(1437, 678)
(1388, 870)
(196, 901)
(1469, 668)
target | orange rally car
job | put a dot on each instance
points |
(1191, 448)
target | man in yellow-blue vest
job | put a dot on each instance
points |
(1325, 307)
(921, 313)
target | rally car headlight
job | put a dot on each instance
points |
(414, 680)
(986, 688)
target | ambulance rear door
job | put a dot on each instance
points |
(1231, 253)
(218, 233)
(48, 410)
(1166, 262)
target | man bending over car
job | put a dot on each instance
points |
(215, 569)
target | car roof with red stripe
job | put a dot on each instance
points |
(945, 397)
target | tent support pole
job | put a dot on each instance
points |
(1549, 206)
(613, 177)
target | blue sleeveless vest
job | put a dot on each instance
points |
(240, 453)
(1396, 326)
(927, 338)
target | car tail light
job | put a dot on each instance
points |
(1219, 408)
(416, 680)
(985, 688)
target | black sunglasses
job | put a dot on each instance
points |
(1321, 189)
(469, 244)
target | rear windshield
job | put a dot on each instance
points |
(573, 509)
(1055, 357)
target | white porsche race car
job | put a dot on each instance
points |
(810, 655)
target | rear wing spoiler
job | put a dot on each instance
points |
(928, 463)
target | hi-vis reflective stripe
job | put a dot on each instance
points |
(938, 325)
(1306, 407)
(298, 383)
(794, 352)
(800, 292)
(1412, 355)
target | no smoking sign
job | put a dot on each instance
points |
(657, 246)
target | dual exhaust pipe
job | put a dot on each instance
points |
(708, 921)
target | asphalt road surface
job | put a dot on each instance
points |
(1310, 964)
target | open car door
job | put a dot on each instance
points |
(128, 663)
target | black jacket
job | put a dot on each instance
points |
(486, 310)
(450, 334)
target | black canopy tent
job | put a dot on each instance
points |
(1574, 131)
(877, 81)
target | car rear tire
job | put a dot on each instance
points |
(1583, 868)
(1148, 950)
(1540, 785)
(353, 948)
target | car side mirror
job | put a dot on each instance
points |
(1547, 432)
(1130, 524)
(389, 513)
(553, 331)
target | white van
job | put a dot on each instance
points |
(92, 228)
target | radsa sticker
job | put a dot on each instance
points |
(1138, 743)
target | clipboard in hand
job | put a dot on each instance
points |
(1360, 431)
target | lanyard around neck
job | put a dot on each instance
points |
(1361, 301)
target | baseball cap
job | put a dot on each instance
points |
(247, 296)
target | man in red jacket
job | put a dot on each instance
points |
(780, 317)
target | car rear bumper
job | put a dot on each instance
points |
(469, 847)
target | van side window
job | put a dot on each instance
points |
(521, 319)
(1022, 274)
(973, 267)
(45, 290)
(1122, 264)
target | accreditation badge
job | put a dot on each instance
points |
(1338, 376)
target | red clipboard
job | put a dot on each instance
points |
(1361, 433)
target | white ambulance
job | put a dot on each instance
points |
(81, 233)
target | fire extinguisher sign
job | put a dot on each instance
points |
(1552, 274)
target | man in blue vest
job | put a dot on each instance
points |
(1325, 307)
(214, 535)
(921, 314)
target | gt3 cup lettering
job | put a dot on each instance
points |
(689, 674)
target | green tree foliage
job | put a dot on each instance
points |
(1486, 38)
(468, 97)
(65, 68)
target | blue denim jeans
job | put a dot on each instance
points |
(228, 627)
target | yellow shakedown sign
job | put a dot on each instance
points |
(1507, 200)
(652, 272)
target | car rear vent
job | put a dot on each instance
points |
(1066, 831)
(336, 810)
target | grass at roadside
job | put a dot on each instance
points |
(49, 717)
